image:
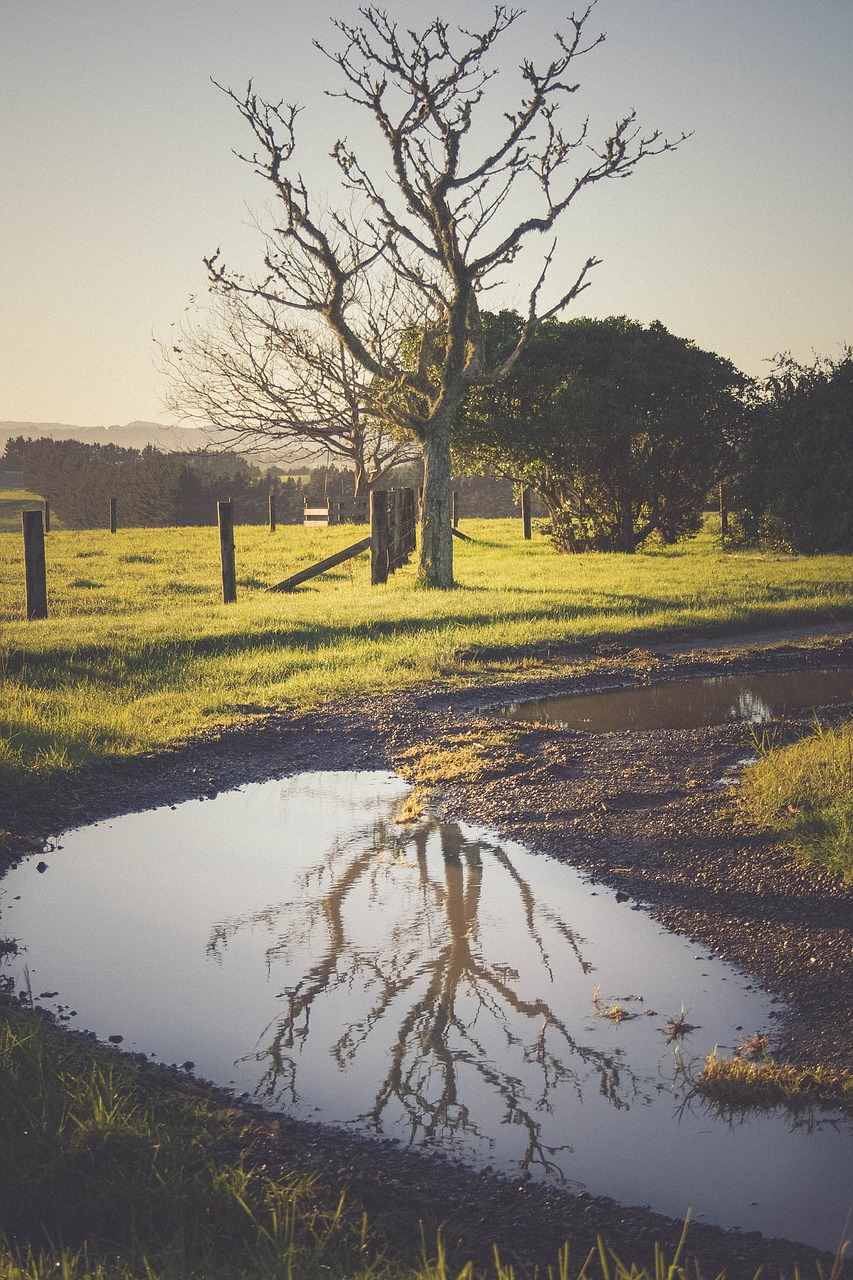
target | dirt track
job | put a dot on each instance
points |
(642, 812)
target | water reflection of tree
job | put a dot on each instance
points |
(435, 986)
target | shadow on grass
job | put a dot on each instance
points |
(150, 664)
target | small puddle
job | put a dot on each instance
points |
(687, 704)
(427, 983)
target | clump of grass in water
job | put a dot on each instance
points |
(412, 808)
(752, 1078)
(614, 1012)
(678, 1027)
(804, 792)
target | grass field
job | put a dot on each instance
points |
(139, 652)
(12, 503)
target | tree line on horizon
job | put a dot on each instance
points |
(156, 488)
(621, 429)
(152, 488)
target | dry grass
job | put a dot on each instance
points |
(487, 751)
(740, 1083)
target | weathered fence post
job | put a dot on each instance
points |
(454, 509)
(525, 512)
(724, 516)
(34, 568)
(398, 533)
(226, 552)
(378, 536)
(272, 513)
(46, 516)
(113, 512)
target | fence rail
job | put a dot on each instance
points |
(336, 511)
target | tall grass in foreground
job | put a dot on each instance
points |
(111, 1171)
(804, 793)
(138, 651)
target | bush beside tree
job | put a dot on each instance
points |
(620, 428)
(795, 468)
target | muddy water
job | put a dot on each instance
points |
(424, 982)
(687, 704)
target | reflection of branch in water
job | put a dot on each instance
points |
(425, 1034)
(434, 983)
(530, 905)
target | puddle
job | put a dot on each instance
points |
(687, 704)
(426, 983)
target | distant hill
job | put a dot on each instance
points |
(136, 435)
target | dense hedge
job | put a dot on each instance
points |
(795, 476)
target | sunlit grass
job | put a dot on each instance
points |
(486, 751)
(736, 1084)
(139, 652)
(804, 793)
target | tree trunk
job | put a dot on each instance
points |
(436, 562)
(361, 485)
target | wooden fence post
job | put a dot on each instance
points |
(454, 509)
(113, 521)
(378, 536)
(34, 568)
(46, 516)
(226, 552)
(724, 516)
(272, 513)
(525, 512)
(398, 532)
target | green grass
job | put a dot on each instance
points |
(110, 1169)
(12, 503)
(804, 793)
(138, 651)
(106, 1169)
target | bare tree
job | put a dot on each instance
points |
(439, 230)
(259, 381)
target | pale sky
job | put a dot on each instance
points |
(118, 176)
